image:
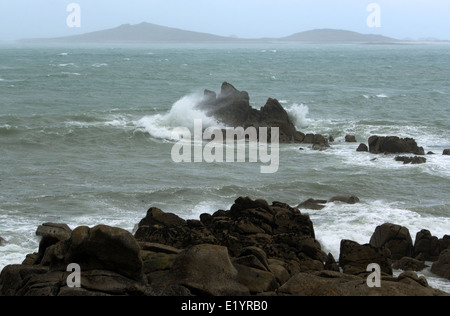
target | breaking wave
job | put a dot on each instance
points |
(182, 114)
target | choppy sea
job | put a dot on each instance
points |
(85, 135)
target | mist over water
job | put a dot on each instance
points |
(85, 135)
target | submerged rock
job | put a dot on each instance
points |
(312, 204)
(350, 138)
(411, 160)
(348, 199)
(362, 148)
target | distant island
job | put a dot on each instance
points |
(152, 33)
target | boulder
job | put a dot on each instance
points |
(394, 237)
(442, 266)
(207, 270)
(426, 246)
(446, 152)
(394, 145)
(355, 258)
(362, 148)
(350, 138)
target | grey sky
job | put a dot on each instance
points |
(244, 18)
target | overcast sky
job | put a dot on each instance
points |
(243, 18)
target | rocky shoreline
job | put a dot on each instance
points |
(253, 249)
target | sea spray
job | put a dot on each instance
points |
(298, 114)
(182, 113)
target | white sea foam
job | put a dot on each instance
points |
(99, 65)
(71, 73)
(65, 65)
(182, 114)
(110, 120)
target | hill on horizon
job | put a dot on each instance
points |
(152, 33)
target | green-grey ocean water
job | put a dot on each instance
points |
(85, 135)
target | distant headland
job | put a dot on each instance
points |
(152, 33)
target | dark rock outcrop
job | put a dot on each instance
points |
(252, 249)
(394, 145)
(446, 152)
(350, 138)
(279, 230)
(232, 108)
